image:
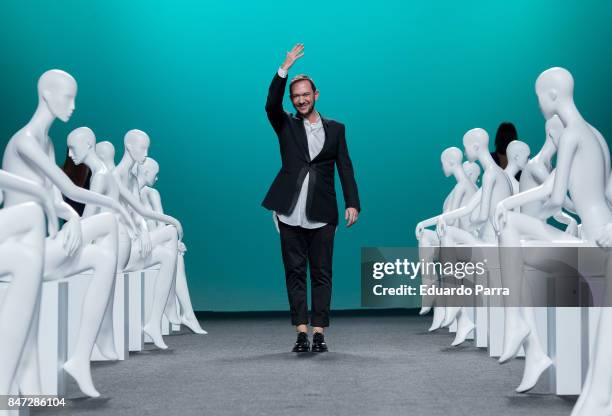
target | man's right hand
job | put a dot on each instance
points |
(293, 55)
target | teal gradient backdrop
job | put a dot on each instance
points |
(408, 78)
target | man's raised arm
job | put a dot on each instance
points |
(274, 102)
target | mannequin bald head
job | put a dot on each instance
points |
(106, 151)
(137, 143)
(451, 158)
(57, 89)
(475, 141)
(518, 153)
(472, 170)
(80, 142)
(554, 88)
(147, 172)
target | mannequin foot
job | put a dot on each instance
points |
(513, 339)
(587, 405)
(424, 310)
(532, 373)
(156, 336)
(82, 375)
(172, 316)
(438, 317)
(451, 315)
(463, 330)
(193, 324)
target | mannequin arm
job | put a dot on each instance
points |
(147, 213)
(463, 211)
(567, 149)
(19, 184)
(488, 181)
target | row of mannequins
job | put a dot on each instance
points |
(123, 228)
(505, 212)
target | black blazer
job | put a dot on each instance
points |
(321, 202)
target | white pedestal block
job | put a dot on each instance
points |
(136, 310)
(52, 336)
(565, 347)
(150, 276)
(452, 328)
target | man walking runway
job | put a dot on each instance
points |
(303, 197)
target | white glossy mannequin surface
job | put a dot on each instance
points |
(30, 154)
(164, 240)
(147, 174)
(22, 243)
(518, 156)
(581, 160)
(134, 254)
(466, 175)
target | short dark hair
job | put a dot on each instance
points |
(302, 77)
(506, 132)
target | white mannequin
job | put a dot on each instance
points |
(463, 190)
(539, 168)
(581, 160)
(30, 154)
(22, 244)
(82, 149)
(518, 156)
(147, 176)
(496, 186)
(164, 239)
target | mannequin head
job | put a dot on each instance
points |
(472, 170)
(475, 141)
(106, 152)
(136, 143)
(147, 172)
(554, 129)
(451, 158)
(80, 142)
(57, 90)
(518, 154)
(555, 89)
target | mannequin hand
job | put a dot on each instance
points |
(351, 215)
(605, 238)
(572, 228)
(52, 222)
(145, 244)
(275, 221)
(179, 230)
(501, 217)
(74, 236)
(441, 227)
(182, 248)
(293, 55)
(419, 230)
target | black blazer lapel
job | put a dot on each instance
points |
(300, 136)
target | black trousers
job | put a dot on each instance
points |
(313, 247)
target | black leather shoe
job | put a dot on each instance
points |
(318, 343)
(301, 344)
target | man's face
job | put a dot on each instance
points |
(303, 97)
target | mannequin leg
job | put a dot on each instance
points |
(188, 317)
(427, 251)
(164, 253)
(596, 397)
(21, 259)
(100, 257)
(171, 311)
(519, 226)
(464, 327)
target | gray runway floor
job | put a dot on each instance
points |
(377, 365)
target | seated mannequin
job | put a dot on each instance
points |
(463, 190)
(81, 244)
(82, 150)
(496, 186)
(517, 155)
(581, 159)
(136, 143)
(147, 176)
(22, 244)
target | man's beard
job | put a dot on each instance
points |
(309, 112)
